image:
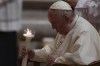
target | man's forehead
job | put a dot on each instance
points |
(56, 11)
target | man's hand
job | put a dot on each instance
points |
(31, 54)
(23, 51)
(50, 60)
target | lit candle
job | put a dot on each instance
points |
(28, 36)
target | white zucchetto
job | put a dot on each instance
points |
(61, 5)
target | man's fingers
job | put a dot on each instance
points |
(22, 52)
(31, 54)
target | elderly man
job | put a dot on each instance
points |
(77, 41)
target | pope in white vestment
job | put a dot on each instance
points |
(80, 46)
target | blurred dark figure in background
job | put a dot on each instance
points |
(89, 9)
(10, 23)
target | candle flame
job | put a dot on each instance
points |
(28, 33)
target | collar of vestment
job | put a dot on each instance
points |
(73, 22)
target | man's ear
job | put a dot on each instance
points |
(66, 17)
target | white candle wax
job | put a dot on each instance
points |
(28, 36)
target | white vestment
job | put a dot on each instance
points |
(81, 45)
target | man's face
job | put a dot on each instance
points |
(58, 21)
